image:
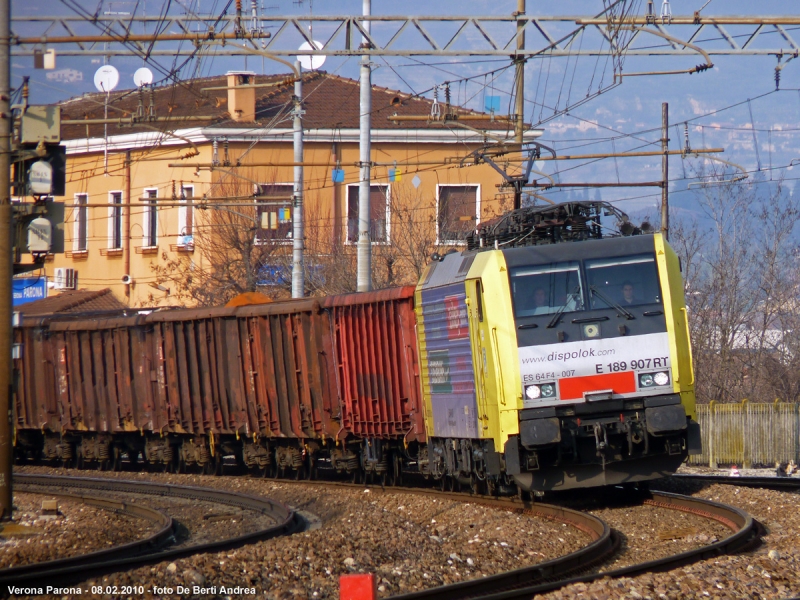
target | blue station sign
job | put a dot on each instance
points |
(28, 289)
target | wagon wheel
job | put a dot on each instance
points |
(133, 459)
(116, 458)
(213, 466)
(491, 487)
(523, 495)
(398, 470)
(174, 465)
(475, 485)
(311, 470)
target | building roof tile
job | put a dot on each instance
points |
(329, 102)
(73, 301)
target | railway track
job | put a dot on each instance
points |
(519, 583)
(543, 577)
(147, 551)
(770, 483)
(524, 583)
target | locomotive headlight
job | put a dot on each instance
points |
(646, 380)
(548, 390)
(533, 392)
(661, 378)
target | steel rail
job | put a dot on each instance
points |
(526, 582)
(161, 538)
(745, 533)
(287, 521)
(604, 544)
(773, 483)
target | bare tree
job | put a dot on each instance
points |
(741, 286)
(229, 258)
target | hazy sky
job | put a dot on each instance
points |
(621, 118)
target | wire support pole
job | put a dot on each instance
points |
(298, 235)
(519, 104)
(364, 249)
(665, 170)
(6, 265)
(126, 229)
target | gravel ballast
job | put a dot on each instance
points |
(767, 573)
(73, 531)
(412, 542)
(409, 541)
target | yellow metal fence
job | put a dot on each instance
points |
(748, 434)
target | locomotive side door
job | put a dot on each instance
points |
(495, 351)
(482, 356)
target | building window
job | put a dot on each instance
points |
(81, 223)
(115, 220)
(150, 219)
(186, 216)
(378, 212)
(457, 212)
(274, 213)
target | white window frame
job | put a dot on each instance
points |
(76, 241)
(146, 219)
(388, 239)
(185, 239)
(439, 186)
(281, 241)
(111, 220)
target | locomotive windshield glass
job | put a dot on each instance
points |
(626, 281)
(546, 289)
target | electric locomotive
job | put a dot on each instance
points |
(555, 355)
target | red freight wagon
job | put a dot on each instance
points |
(284, 386)
(377, 363)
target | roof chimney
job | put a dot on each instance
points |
(241, 95)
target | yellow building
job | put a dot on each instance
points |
(187, 198)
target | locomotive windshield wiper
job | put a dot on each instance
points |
(570, 297)
(621, 310)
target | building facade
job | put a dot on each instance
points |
(188, 197)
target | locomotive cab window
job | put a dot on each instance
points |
(625, 281)
(546, 289)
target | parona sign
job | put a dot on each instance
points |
(28, 289)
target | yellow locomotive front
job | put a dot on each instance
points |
(581, 360)
(605, 375)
